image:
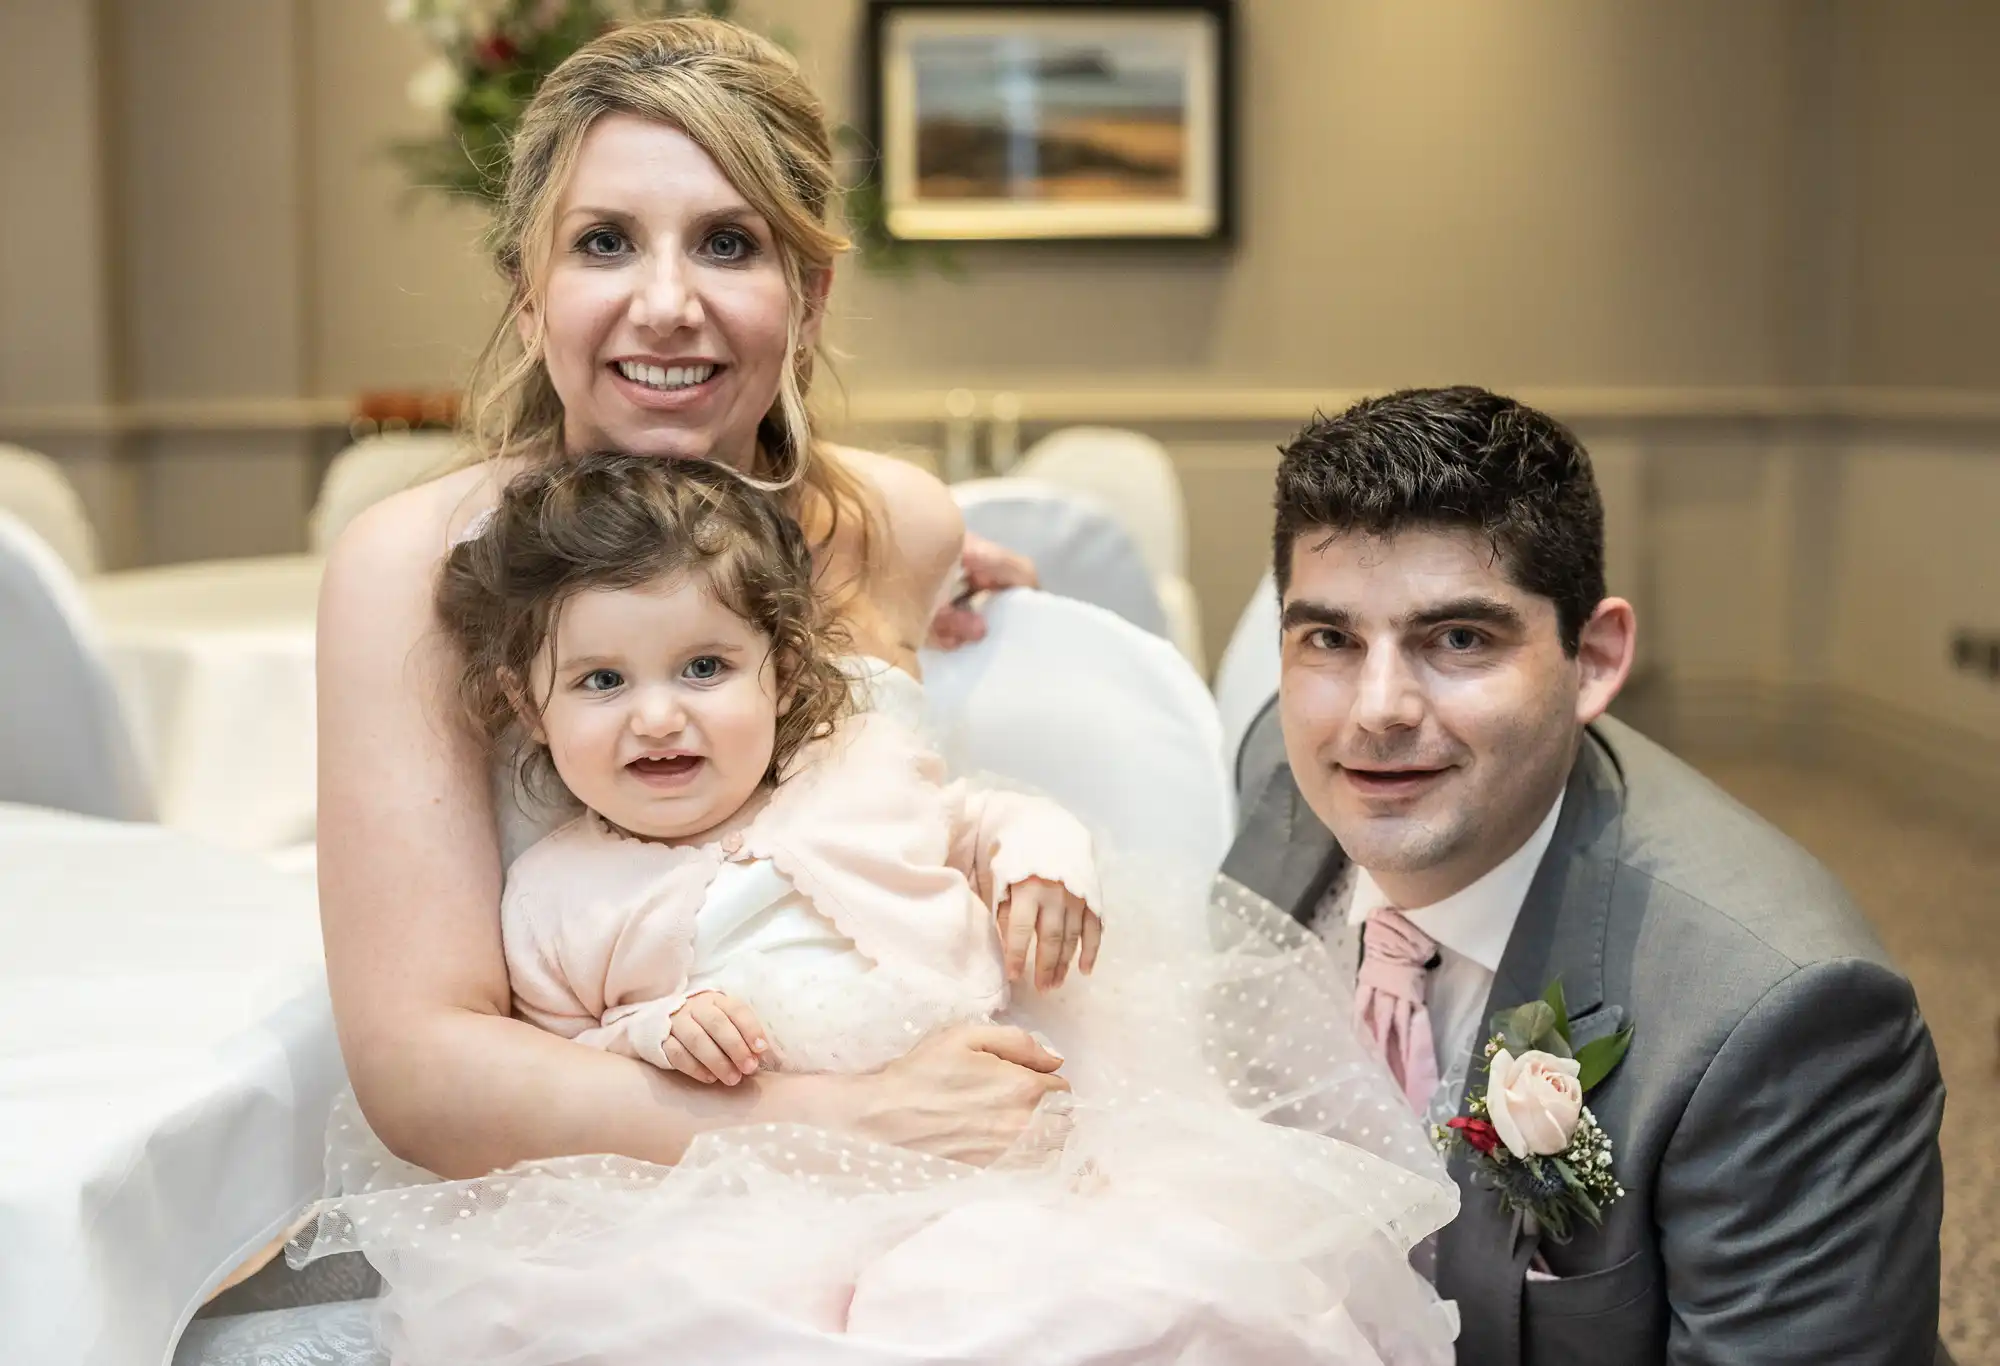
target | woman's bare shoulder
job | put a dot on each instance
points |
(919, 516)
(394, 545)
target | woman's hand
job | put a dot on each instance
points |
(1056, 921)
(985, 568)
(965, 1093)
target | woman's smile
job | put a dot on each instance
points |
(667, 386)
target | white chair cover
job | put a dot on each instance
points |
(1080, 549)
(1132, 476)
(1247, 676)
(1128, 473)
(64, 742)
(1069, 700)
(370, 470)
(34, 489)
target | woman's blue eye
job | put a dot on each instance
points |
(602, 680)
(704, 670)
(731, 244)
(601, 242)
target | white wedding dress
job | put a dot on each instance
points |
(1231, 1181)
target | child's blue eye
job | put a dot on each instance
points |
(705, 669)
(602, 680)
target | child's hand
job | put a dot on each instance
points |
(1046, 912)
(715, 1038)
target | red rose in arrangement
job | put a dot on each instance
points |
(1477, 1132)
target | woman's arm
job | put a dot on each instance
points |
(922, 535)
(409, 869)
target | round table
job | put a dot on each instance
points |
(167, 1064)
(214, 663)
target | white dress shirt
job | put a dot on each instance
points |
(1471, 928)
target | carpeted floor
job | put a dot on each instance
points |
(1933, 893)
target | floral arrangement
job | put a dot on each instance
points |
(492, 55)
(1531, 1138)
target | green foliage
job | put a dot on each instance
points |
(1596, 1058)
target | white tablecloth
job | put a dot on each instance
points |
(214, 662)
(167, 1061)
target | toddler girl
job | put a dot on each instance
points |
(761, 873)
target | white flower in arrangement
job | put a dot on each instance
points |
(435, 86)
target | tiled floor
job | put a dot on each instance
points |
(1934, 895)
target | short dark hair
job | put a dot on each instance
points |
(1460, 457)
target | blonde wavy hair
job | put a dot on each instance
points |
(744, 101)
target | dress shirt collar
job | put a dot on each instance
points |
(1476, 922)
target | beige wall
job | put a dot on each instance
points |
(1928, 217)
(1525, 193)
(55, 290)
(1576, 195)
(210, 216)
(1602, 225)
(1920, 518)
(1549, 193)
(403, 295)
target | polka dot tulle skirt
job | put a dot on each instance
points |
(1231, 1180)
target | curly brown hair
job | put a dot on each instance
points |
(612, 520)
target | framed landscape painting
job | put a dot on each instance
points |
(1052, 119)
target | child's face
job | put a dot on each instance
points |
(662, 709)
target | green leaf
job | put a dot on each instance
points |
(1531, 1027)
(1596, 1059)
(1553, 997)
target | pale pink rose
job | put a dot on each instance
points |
(1534, 1101)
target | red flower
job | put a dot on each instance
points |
(1477, 1132)
(495, 51)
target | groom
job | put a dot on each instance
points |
(1441, 795)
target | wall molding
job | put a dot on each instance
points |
(1185, 401)
(1943, 769)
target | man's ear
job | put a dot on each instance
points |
(1604, 653)
(523, 703)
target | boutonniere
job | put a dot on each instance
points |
(1531, 1138)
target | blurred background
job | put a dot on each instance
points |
(1750, 251)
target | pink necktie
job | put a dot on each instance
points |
(1389, 1002)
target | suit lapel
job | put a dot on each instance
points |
(1282, 852)
(1560, 934)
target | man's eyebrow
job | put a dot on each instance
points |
(1305, 612)
(1474, 607)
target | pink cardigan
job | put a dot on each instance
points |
(599, 927)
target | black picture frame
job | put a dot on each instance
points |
(1205, 212)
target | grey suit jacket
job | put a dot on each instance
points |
(1775, 1122)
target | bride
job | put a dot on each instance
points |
(666, 309)
(659, 307)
